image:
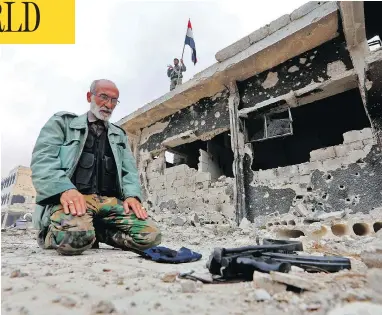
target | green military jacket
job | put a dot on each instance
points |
(55, 156)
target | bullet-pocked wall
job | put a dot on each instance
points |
(185, 163)
(328, 159)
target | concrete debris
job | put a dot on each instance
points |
(357, 308)
(295, 269)
(264, 281)
(188, 286)
(372, 255)
(374, 279)
(301, 292)
(245, 224)
(179, 221)
(170, 277)
(194, 220)
(261, 295)
(296, 281)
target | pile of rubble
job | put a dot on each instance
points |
(117, 282)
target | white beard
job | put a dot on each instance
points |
(96, 110)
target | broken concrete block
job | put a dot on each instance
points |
(227, 210)
(179, 183)
(182, 168)
(245, 224)
(344, 149)
(302, 210)
(170, 178)
(203, 177)
(264, 281)
(357, 135)
(374, 279)
(188, 286)
(370, 141)
(332, 164)
(366, 133)
(260, 295)
(279, 23)
(351, 136)
(304, 9)
(267, 174)
(355, 155)
(194, 219)
(287, 171)
(233, 49)
(179, 221)
(259, 34)
(322, 154)
(168, 170)
(296, 281)
(303, 179)
(309, 167)
(372, 255)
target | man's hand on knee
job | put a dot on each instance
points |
(136, 207)
(73, 202)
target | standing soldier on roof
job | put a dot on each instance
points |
(175, 73)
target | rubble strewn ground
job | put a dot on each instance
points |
(110, 281)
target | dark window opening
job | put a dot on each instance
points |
(373, 25)
(185, 154)
(269, 126)
(214, 156)
(317, 125)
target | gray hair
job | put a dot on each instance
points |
(93, 86)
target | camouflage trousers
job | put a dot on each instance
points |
(174, 83)
(105, 221)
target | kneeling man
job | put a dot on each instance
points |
(87, 183)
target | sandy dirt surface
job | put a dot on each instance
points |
(111, 281)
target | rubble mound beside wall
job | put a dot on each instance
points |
(182, 195)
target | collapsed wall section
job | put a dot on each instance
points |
(346, 176)
(195, 185)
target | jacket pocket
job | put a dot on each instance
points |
(85, 168)
(110, 166)
(68, 152)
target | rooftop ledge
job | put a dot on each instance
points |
(300, 35)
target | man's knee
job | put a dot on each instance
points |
(70, 235)
(70, 242)
(147, 236)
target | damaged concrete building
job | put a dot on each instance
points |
(18, 196)
(288, 120)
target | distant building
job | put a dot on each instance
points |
(17, 195)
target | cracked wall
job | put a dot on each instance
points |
(346, 176)
(202, 120)
(323, 63)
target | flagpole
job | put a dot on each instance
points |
(184, 45)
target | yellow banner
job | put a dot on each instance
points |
(37, 22)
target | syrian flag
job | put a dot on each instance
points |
(190, 42)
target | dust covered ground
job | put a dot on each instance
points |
(111, 281)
